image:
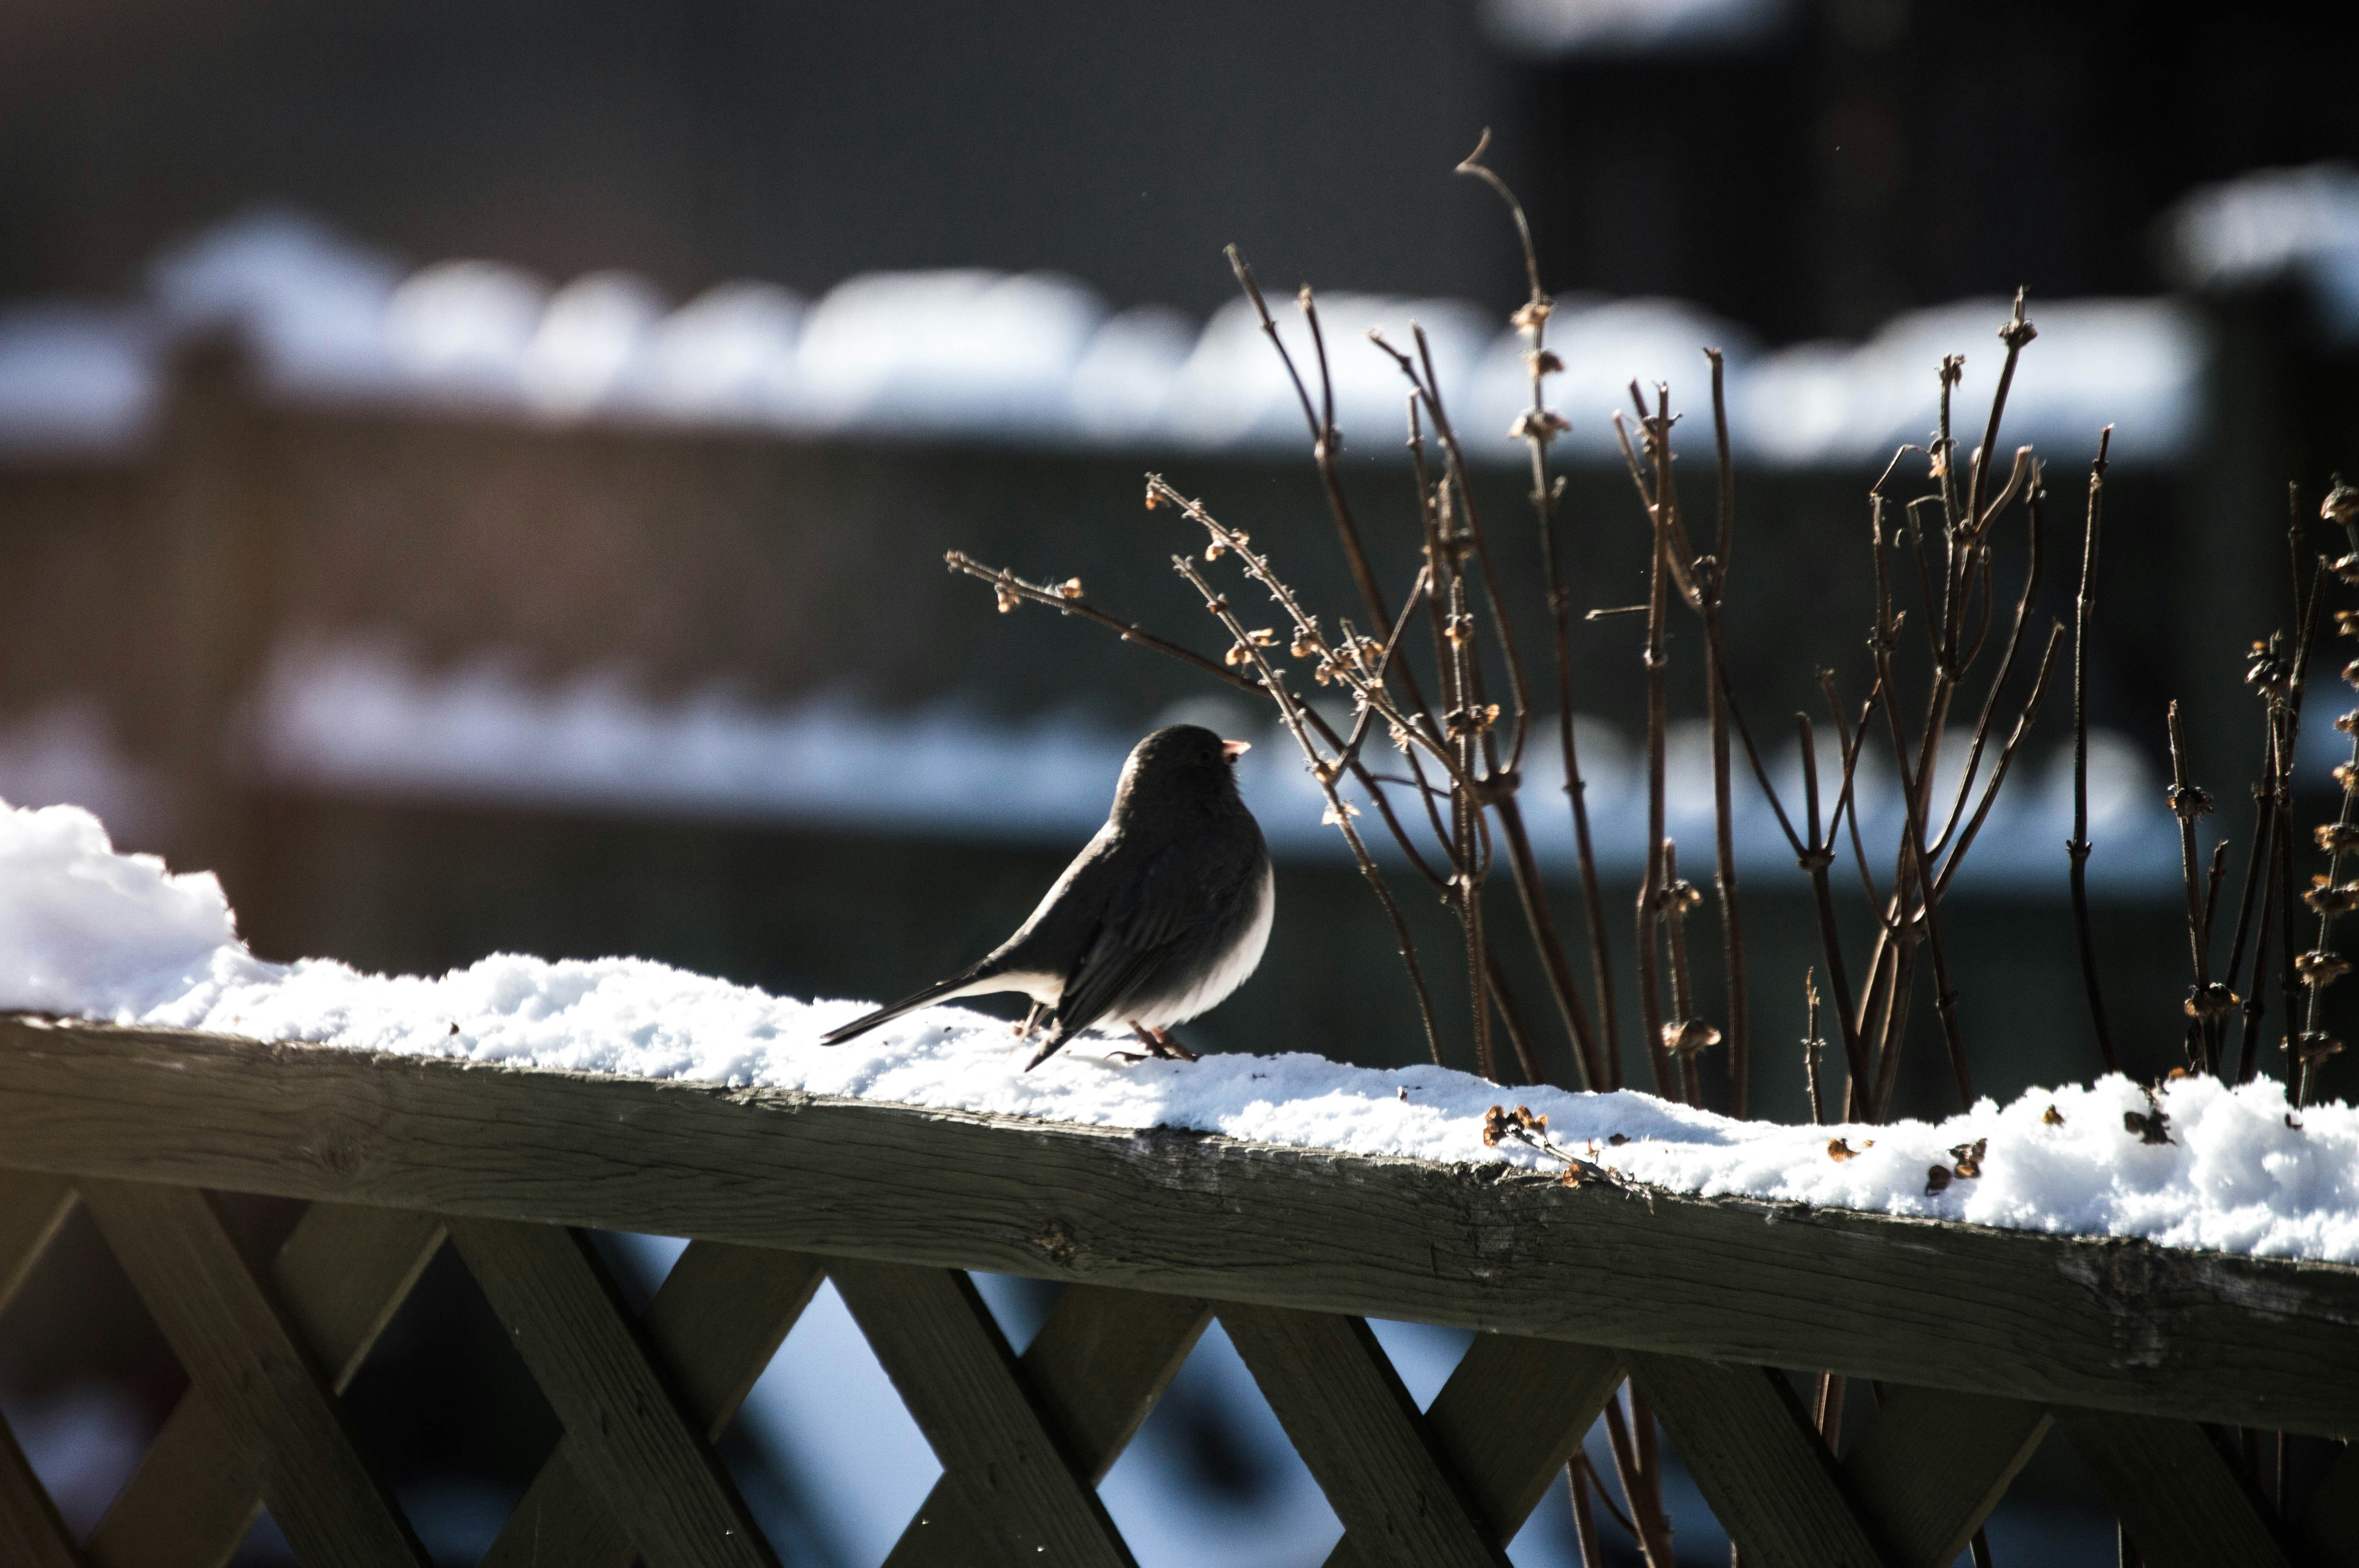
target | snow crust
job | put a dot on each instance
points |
(90, 933)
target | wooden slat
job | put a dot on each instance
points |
(1095, 1370)
(1758, 1461)
(713, 1326)
(2329, 1525)
(630, 1436)
(339, 1277)
(32, 1207)
(31, 1533)
(344, 1272)
(190, 1503)
(719, 1317)
(237, 1345)
(1509, 1419)
(954, 1371)
(1344, 1409)
(1101, 1360)
(2182, 1501)
(2054, 1320)
(1932, 1464)
(1511, 1415)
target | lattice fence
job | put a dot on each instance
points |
(1993, 1339)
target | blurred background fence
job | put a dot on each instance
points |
(477, 476)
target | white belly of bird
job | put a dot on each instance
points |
(1231, 972)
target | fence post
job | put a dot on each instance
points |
(213, 515)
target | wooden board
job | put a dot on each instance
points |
(31, 1533)
(1094, 1370)
(1758, 1461)
(2330, 1523)
(2182, 1500)
(286, 1428)
(1932, 1464)
(1508, 1419)
(1511, 1415)
(954, 1370)
(1346, 1412)
(339, 1277)
(2103, 1324)
(32, 1207)
(713, 1328)
(625, 1428)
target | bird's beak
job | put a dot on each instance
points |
(1233, 749)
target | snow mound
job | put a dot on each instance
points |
(90, 933)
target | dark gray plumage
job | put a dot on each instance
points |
(1159, 918)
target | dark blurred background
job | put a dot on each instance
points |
(1806, 168)
(412, 511)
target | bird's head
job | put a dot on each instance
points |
(1182, 762)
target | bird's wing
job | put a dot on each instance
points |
(1151, 917)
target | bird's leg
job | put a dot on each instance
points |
(1031, 1021)
(1158, 1042)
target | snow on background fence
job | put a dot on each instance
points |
(1039, 359)
(362, 718)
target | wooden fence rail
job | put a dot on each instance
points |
(2136, 1353)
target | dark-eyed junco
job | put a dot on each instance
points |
(1159, 918)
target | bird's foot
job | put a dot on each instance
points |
(1126, 1058)
(1031, 1021)
(1160, 1045)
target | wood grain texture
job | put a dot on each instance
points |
(953, 1371)
(31, 1533)
(2180, 1499)
(2102, 1324)
(190, 1501)
(720, 1316)
(1095, 1370)
(1758, 1461)
(624, 1426)
(1346, 1412)
(1511, 1415)
(32, 1207)
(1102, 1360)
(2329, 1524)
(1932, 1464)
(713, 1325)
(339, 1277)
(237, 1345)
(1509, 1419)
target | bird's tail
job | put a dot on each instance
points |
(940, 990)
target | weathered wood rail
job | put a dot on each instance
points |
(1992, 1337)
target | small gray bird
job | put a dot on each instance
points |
(1159, 918)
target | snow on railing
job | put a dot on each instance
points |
(1033, 359)
(87, 931)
